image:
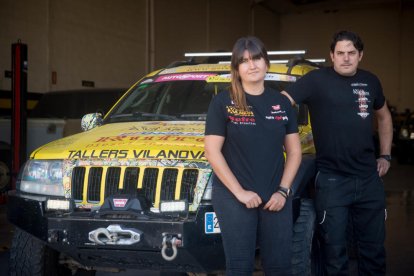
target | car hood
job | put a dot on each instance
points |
(137, 140)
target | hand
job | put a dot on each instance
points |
(249, 198)
(275, 203)
(382, 166)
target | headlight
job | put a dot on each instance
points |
(209, 189)
(42, 177)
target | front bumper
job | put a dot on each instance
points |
(69, 233)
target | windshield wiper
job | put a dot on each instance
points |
(201, 116)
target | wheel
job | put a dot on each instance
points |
(29, 256)
(305, 248)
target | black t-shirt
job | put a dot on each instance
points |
(253, 146)
(341, 112)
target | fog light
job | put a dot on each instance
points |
(57, 205)
(174, 206)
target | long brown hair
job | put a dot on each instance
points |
(256, 49)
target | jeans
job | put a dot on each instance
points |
(241, 228)
(360, 201)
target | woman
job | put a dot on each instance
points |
(247, 129)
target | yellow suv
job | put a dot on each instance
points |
(134, 189)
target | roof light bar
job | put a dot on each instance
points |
(228, 54)
(319, 60)
(283, 61)
(280, 53)
(219, 54)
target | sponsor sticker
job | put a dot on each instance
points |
(279, 77)
(184, 77)
(120, 202)
(219, 78)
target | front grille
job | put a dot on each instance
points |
(169, 180)
(150, 183)
(94, 184)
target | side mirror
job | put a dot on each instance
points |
(90, 121)
(303, 111)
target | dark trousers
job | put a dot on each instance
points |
(242, 227)
(361, 201)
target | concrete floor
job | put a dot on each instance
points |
(399, 186)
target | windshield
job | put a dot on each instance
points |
(171, 100)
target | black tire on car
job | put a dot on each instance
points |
(30, 256)
(305, 249)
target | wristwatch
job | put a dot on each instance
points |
(386, 157)
(285, 191)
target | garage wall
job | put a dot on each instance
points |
(28, 21)
(98, 41)
(92, 40)
(208, 25)
(388, 38)
(113, 43)
(179, 26)
(406, 88)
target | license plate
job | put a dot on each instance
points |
(211, 225)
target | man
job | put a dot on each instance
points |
(342, 103)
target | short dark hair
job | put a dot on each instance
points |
(347, 35)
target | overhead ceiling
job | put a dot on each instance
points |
(297, 6)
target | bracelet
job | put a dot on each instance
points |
(283, 194)
(285, 191)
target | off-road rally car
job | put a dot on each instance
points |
(134, 189)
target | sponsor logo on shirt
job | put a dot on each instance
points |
(362, 101)
(277, 118)
(240, 117)
(360, 84)
(277, 110)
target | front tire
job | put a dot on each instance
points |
(30, 256)
(305, 250)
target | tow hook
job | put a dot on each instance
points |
(170, 241)
(115, 235)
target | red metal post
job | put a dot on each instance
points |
(19, 108)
